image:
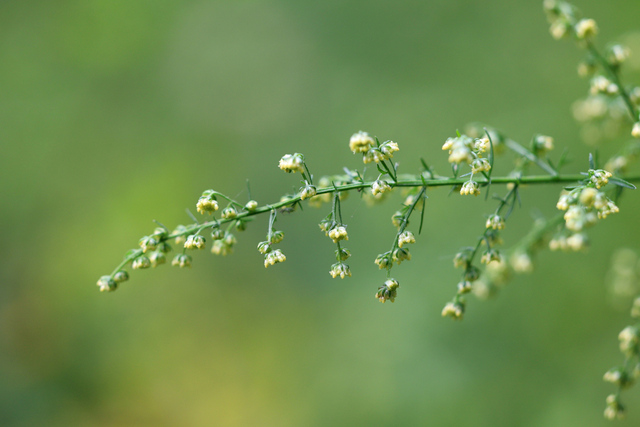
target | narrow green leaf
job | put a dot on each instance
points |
(621, 183)
(424, 204)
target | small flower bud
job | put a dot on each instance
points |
(194, 241)
(368, 157)
(229, 213)
(156, 258)
(490, 255)
(140, 263)
(470, 188)
(274, 257)
(387, 149)
(181, 260)
(388, 291)
(586, 28)
(471, 274)
(480, 165)
(342, 254)
(121, 276)
(207, 203)
(550, 6)
(614, 409)
(164, 247)
(461, 259)
(629, 338)
(326, 225)
(587, 68)
(577, 242)
(495, 222)
(380, 187)
(340, 269)
(635, 132)
(229, 239)
(148, 243)
(106, 283)
(224, 246)
(599, 177)
(292, 163)
(160, 233)
(577, 218)
(448, 144)
(181, 230)
(601, 84)
(588, 196)
(619, 377)
(241, 225)
(559, 29)
(383, 260)
(497, 272)
(521, 262)
(464, 287)
(338, 233)
(360, 142)
(454, 309)
(264, 247)
(397, 219)
(401, 254)
(483, 290)
(276, 237)
(605, 206)
(542, 144)
(308, 192)
(251, 205)
(459, 149)
(493, 236)
(482, 145)
(217, 234)
(617, 55)
(406, 237)
(219, 247)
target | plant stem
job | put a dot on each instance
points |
(435, 182)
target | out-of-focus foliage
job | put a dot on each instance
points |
(114, 113)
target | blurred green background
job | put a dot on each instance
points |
(115, 113)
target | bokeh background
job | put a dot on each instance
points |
(114, 113)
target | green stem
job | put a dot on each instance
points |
(435, 182)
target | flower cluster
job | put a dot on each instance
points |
(182, 261)
(194, 241)
(340, 268)
(371, 149)
(564, 21)
(223, 243)
(336, 230)
(464, 149)
(454, 309)
(207, 203)
(272, 256)
(604, 111)
(388, 291)
(585, 204)
(292, 163)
